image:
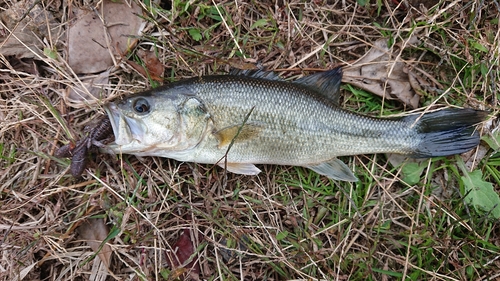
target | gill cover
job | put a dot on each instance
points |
(156, 121)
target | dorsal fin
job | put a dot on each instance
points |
(325, 83)
(256, 73)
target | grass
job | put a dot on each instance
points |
(401, 220)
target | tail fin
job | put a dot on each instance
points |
(447, 132)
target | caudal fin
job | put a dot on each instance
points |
(447, 132)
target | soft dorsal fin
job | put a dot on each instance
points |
(238, 133)
(325, 83)
(256, 73)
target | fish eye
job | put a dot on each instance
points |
(141, 106)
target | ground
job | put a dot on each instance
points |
(165, 220)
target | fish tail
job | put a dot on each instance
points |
(447, 132)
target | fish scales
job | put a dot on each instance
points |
(299, 125)
(237, 121)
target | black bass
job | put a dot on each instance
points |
(254, 117)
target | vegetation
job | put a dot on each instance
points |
(432, 219)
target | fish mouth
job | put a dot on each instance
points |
(113, 115)
(121, 129)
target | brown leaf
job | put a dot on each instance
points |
(91, 89)
(95, 231)
(183, 250)
(93, 41)
(379, 72)
(153, 64)
(25, 25)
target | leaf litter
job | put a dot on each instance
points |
(95, 233)
(23, 25)
(162, 196)
(382, 71)
(182, 260)
(97, 38)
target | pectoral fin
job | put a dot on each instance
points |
(240, 168)
(226, 135)
(334, 169)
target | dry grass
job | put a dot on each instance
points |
(287, 223)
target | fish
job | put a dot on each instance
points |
(251, 117)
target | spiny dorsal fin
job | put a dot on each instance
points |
(256, 73)
(325, 83)
(226, 135)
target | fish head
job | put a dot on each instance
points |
(157, 124)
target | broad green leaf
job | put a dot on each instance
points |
(50, 53)
(412, 172)
(479, 47)
(259, 23)
(195, 34)
(481, 194)
(493, 140)
(281, 235)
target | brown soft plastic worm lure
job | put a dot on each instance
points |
(97, 136)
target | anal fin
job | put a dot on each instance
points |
(334, 169)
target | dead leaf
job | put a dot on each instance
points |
(90, 90)
(21, 33)
(183, 251)
(153, 64)
(381, 73)
(94, 232)
(96, 36)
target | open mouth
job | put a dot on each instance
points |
(113, 114)
(127, 130)
(121, 129)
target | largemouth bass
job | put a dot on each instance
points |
(254, 117)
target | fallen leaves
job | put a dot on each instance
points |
(183, 260)
(96, 233)
(96, 37)
(153, 68)
(380, 72)
(22, 27)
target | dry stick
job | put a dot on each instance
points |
(231, 145)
